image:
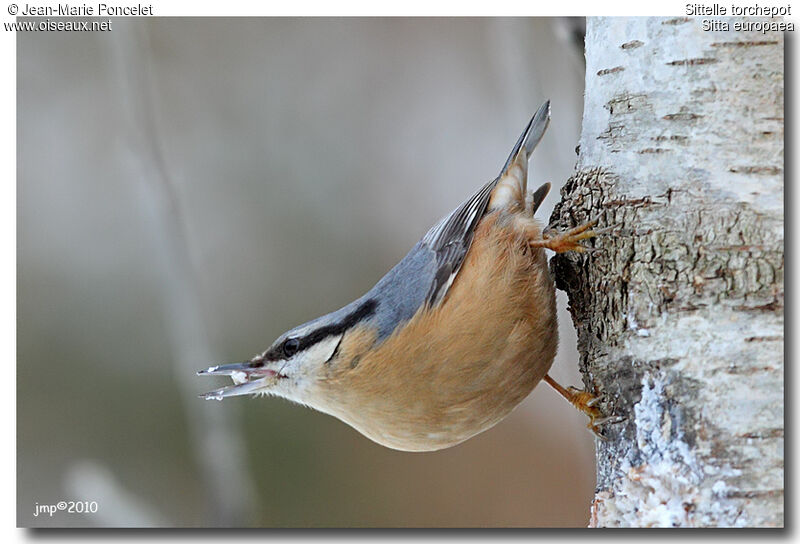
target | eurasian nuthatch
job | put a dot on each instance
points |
(448, 342)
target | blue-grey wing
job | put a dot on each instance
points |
(450, 238)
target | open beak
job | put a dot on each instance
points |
(247, 378)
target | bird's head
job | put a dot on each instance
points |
(297, 362)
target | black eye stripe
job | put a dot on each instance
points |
(314, 337)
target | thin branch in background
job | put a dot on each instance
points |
(216, 439)
(120, 508)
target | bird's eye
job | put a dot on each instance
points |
(290, 346)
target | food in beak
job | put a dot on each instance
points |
(246, 378)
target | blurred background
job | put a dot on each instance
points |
(189, 189)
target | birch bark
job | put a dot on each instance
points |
(679, 311)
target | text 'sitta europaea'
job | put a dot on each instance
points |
(445, 345)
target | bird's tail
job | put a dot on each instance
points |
(513, 180)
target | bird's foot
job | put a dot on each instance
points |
(587, 403)
(567, 241)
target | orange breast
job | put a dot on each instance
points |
(459, 368)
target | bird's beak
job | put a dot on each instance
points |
(247, 378)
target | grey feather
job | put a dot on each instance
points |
(450, 239)
(531, 136)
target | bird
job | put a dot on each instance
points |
(450, 340)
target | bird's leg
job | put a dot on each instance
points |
(566, 241)
(586, 403)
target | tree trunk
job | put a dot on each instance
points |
(679, 310)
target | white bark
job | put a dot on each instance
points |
(680, 310)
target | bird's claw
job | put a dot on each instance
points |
(595, 424)
(568, 240)
(587, 403)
